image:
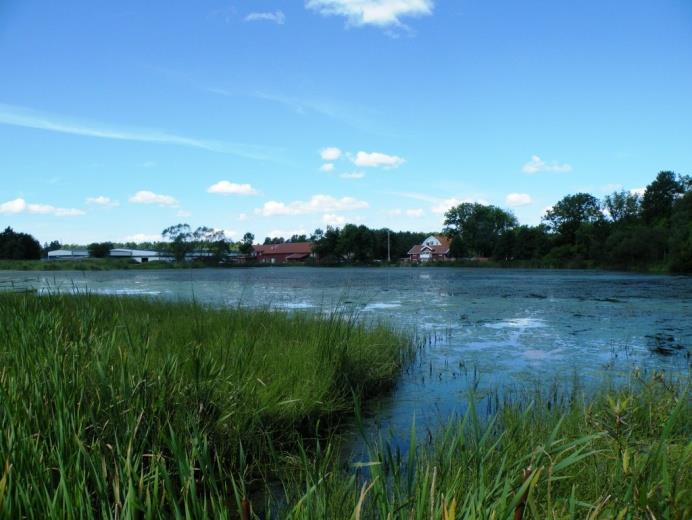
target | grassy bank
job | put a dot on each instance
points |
(114, 405)
(86, 264)
(123, 408)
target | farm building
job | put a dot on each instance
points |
(433, 248)
(65, 254)
(283, 253)
(141, 256)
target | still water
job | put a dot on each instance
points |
(484, 328)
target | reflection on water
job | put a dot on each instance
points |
(484, 328)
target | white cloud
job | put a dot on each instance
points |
(518, 199)
(327, 167)
(377, 159)
(231, 188)
(638, 191)
(278, 17)
(330, 153)
(18, 116)
(242, 217)
(332, 219)
(228, 233)
(352, 175)
(47, 209)
(183, 213)
(536, 165)
(412, 213)
(443, 205)
(13, 207)
(286, 233)
(149, 197)
(142, 237)
(316, 204)
(381, 13)
(102, 200)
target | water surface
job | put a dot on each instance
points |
(485, 328)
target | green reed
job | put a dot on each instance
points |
(136, 408)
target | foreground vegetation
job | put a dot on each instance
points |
(112, 405)
(123, 408)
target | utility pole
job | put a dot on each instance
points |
(389, 256)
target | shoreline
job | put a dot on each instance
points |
(120, 265)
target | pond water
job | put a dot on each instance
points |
(484, 328)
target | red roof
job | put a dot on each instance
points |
(442, 249)
(287, 248)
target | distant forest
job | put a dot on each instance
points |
(626, 230)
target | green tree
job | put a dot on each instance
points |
(18, 246)
(565, 217)
(457, 249)
(246, 245)
(100, 249)
(660, 195)
(180, 240)
(681, 235)
(478, 225)
(622, 206)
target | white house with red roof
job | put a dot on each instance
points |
(433, 248)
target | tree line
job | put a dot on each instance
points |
(625, 230)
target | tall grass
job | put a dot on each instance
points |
(130, 408)
(627, 453)
(118, 406)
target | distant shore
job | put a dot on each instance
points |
(109, 264)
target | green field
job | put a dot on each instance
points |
(135, 408)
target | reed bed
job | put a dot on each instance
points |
(111, 407)
(135, 408)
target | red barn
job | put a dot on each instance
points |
(283, 253)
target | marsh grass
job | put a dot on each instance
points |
(625, 453)
(135, 408)
(111, 406)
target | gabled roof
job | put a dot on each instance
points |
(442, 249)
(287, 248)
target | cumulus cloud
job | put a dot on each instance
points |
(12, 207)
(377, 159)
(278, 17)
(102, 200)
(381, 13)
(16, 206)
(536, 165)
(332, 219)
(330, 153)
(149, 197)
(316, 204)
(327, 167)
(412, 213)
(183, 213)
(231, 188)
(518, 199)
(352, 175)
(242, 217)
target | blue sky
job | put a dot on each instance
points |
(118, 119)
